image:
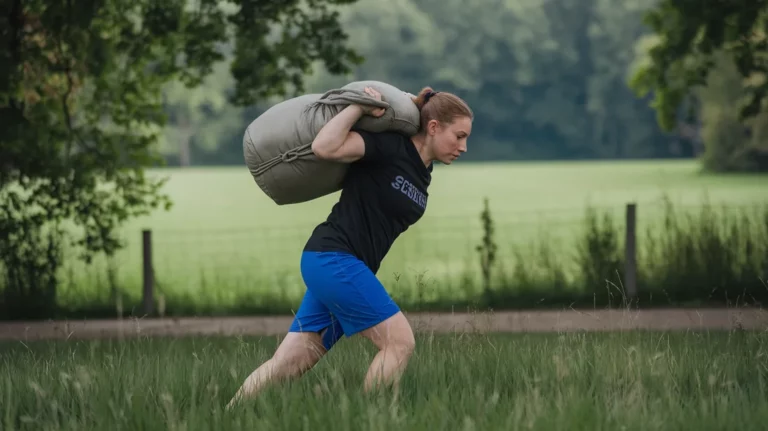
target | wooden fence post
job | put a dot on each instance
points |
(630, 252)
(149, 277)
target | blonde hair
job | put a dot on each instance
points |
(440, 106)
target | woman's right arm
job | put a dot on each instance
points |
(336, 142)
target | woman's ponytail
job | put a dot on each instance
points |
(441, 106)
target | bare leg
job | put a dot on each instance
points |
(394, 338)
(298, 352)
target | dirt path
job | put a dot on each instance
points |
(507, 321)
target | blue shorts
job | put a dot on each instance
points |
(343, 297)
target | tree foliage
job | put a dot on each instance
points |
(81, 107)
(689, 34)
(709, 61)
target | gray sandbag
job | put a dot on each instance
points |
(402, 116)
(277, 144)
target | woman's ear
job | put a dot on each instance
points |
(432, 127)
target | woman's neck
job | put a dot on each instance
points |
(420, 142)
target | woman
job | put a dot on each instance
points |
(384, 192)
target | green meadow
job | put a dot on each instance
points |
(226, 247)
(573, 381)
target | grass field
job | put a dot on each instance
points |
(576, 381)
(226, 243)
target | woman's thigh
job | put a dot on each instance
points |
(394, 332)
(300, 349)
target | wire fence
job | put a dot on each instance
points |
(232, 247)
(267, 256)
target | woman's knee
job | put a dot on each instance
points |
(299, 351)
(394, 333)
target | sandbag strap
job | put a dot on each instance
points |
(345, 96)
(286, 157)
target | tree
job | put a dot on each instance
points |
(733, 142)
(689, 34)
(81, 108)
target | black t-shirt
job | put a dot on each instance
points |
(383, 194)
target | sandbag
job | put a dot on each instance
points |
(277, 144)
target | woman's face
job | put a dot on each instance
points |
(449, 141)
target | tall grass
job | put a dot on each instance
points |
(707, 255)
(627, 381)
(719, 254)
